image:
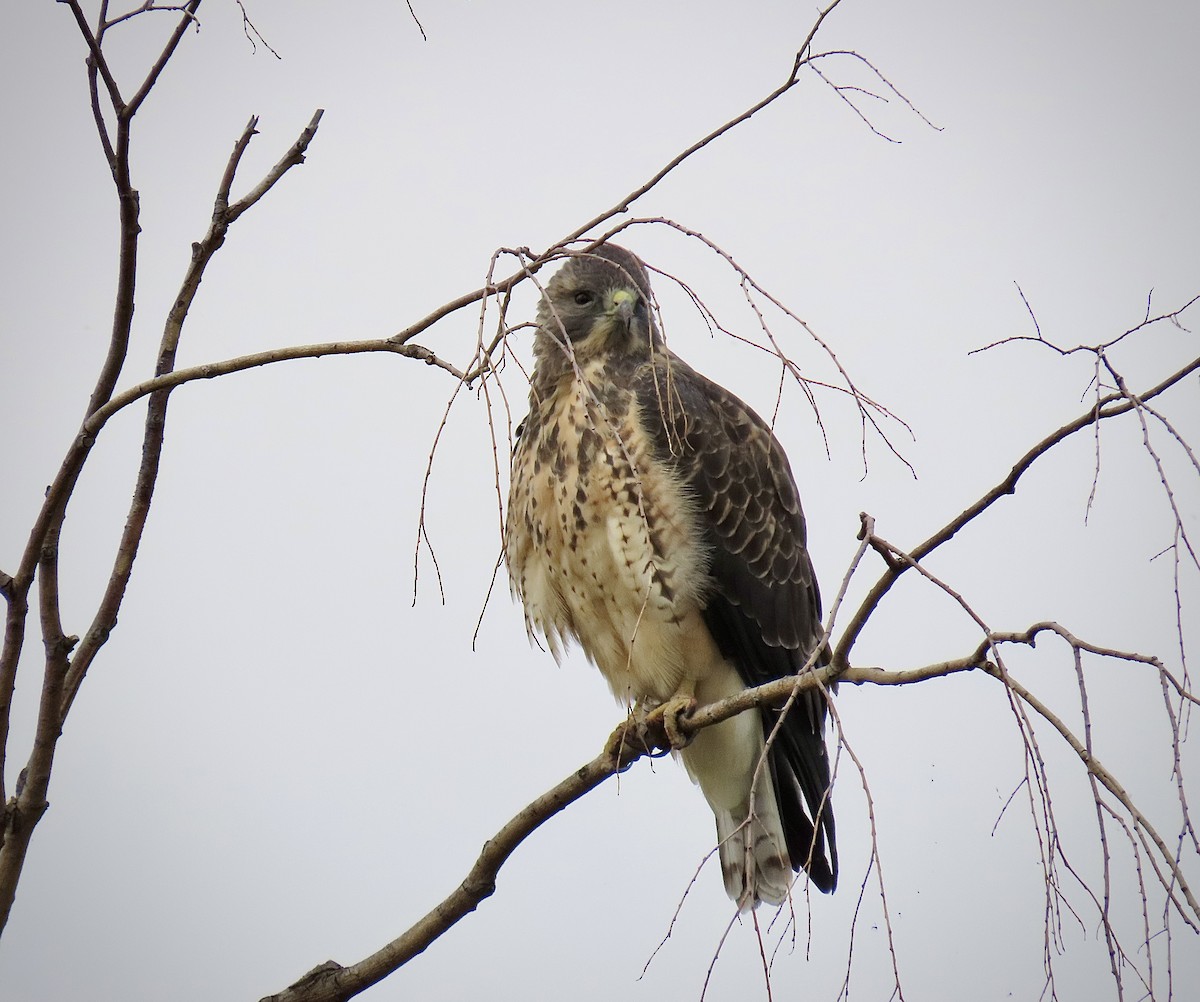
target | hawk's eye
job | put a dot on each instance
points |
(583, 297)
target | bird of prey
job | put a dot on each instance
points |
(654, 519)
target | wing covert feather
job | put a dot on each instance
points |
(763, 607)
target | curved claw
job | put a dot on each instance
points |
(667, 717)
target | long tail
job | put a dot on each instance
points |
(753, 851)
(756, 861)
(765, 816)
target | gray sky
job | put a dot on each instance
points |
(278, 760)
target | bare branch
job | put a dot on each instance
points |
(332, 982)
(1171, 317)
(223, 216)
(248, 28)
(188, 16)
(1110, 406)
(420, 27)
(1191, 913)
(63, 675)
(148, 6)
(65, 670)
(803, 57)
(292, 158)
(96, 59)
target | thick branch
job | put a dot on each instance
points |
(22, 815)
(331, 982)
(50, 517)
(630, 741)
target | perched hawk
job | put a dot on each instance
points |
(653, 518)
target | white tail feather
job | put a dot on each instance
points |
(724, 759)
(754, 858)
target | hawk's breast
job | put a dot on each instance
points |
(602, 538)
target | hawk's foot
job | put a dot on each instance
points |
(664, 718)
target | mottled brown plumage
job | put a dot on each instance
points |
(653, 518)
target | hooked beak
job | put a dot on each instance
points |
(623, 305)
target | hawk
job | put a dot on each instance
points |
(654, 519)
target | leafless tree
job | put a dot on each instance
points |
(1160, 857)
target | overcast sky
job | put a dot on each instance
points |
(279, 760)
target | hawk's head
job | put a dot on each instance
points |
(598, 303)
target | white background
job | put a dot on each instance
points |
(278, 760)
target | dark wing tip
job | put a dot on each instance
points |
(800, 774)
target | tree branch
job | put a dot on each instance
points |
(631, 740)
(98, 62)
(188, 17)
(64, 675)
(202, 252)
(1110, 406)
(803, 57)
(1106, 778)
(146, 8)
(293, 158)
(331, 982)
